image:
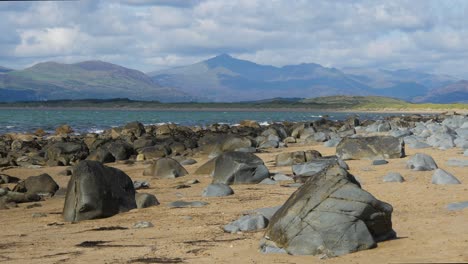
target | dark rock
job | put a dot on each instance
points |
(8, 179)
(421, 162)
(97, 191)
(239, 168)
(134, 128)
(63, 130)
(66, 153)
(183, 204)
(155, 152)
(41, 185)
(120, 149)
(330, 214)
(144, 200)
(102, 155)
(207, 168)
(379, 162)
(443, 177)
(377, 147)
(217, 190)
(165, 168)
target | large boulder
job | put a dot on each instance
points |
(66, 153)
(310, 169)
(239, 168)
(97, 191)
(165, 168)
(42, 184)
(296, 157)
(421, 162)
(376, 147)
(330, 214)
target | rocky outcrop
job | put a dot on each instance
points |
(239, 168)
(375, 147)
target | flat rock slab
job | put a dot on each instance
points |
(376, 147)
(379, 162)
(184, 204)
(421, 162)
(457, 206)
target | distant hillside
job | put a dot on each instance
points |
(4, 70)
(452, 93)
(224, 78)
(90, 79)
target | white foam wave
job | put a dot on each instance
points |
(9, 127)
(264, 123)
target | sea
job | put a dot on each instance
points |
(96, 121)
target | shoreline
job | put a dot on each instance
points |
(246, 109)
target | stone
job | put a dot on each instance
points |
(188, 162)
(155, 152)
(330, 214)
(457, 206)
(269, 144)
(165, 168)
(267, 181)
(66, 153)
(281, 177)
(43, 185)
(97, 191)
(239, 168)
(304, 171)
(63, 130)
(393, 177)
(119, 149)
(37, 215)
(207, 168)
(141, 185)
(102, 155)
(4, 178)
(247, 223)
(143, 224)
(144, 200)
(379, 162)
(441, 176)
(376, 147)
(421, 162)
(217, 190)
(136, 129)
(184, 204)
(332, 142)
(267, 212)
(419, 145)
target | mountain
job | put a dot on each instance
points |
(89, 79)
(4, 70)
(453, 93)
(224, 78)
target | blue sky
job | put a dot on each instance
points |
(156, 34)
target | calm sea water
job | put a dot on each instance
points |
(82, 121)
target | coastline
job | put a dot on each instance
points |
(249, 109)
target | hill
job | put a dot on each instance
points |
(455, 92)
(4, 70)
(224, 78)
(89, 79)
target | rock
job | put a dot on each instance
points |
(376, 147)
(443, 177)
(393, 177)
(247, 223)
(267, 181)
(165, 168)
(63, 130)
(457, 162)
(330, 214)
(304, 171)
(267, 212)
(143, 224)
(465, 153)
(97, 191)
(8, 179)
(141, 185)
(419, 145)
(217, 190)
(457, 206)
(183, 204)
(296, 157)
(37, 215)
(289, 140)
(144, 200)
(421, 162)
(379, 162)
(120, 149)
(155, 152)
(134, 128)
(42, 185)
(249, 123)
(332, 142)
(239, 168)
(102, 155)
(188, 162)
(194, 181)
(66, 153)
(281, 177)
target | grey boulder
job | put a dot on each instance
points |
(247, 223)
(165, 168)
(239, 168)
(376, 147)
(441, 176)
(97, 191)
(217, 190)
(330, 214)
(421, 162)
(393, 177)
(42, 185)
(144, 200)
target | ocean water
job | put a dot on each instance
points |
(84, 121)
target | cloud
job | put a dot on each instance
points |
(150, 35)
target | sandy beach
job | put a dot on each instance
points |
(427, 231)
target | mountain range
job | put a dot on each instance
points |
(89, 79)
(223, 79)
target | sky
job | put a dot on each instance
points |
(150, 35)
